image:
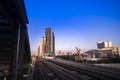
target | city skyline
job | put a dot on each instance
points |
(75, 23)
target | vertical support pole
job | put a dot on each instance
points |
(14, 61)
(21, 52)
(29, 71)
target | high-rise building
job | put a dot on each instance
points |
(105, 44)
(50, 42)
(41, 48)
(47, 46)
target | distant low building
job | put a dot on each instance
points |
(103, 53)
(108, 51)
(111, 52)
(119, 51)
(93, 55)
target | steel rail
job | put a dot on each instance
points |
(46, 70)
(67, 73)
(97, 73)
(57, 72)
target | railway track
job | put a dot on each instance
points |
(51, 71)
(57, 71)
(62, 70)
(93, 71)
(65, 74)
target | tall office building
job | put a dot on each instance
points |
(50, 42)
(105, 44)
(41, 48)
(47, 46)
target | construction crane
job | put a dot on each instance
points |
(78, 57)
(77, 50)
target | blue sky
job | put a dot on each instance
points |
(78, 23)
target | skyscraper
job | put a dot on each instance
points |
(47, 46)
(41, 48)
(50, 42)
